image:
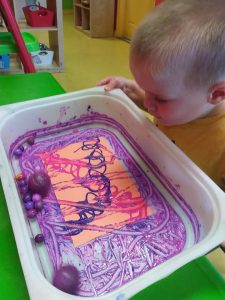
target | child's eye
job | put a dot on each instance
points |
(158, 99)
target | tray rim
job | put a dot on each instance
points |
(6, 112)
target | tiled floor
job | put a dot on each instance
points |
(87, 61)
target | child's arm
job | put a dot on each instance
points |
(129, 87)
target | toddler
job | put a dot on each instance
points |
(177, 58)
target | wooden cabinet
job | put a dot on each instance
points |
(95, 17)
(129, 14)
(52, 36)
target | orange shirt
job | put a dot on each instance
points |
(203, 141)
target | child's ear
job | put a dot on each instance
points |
(217, 93)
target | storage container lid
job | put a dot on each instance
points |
(8, 43)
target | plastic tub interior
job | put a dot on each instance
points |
(148, 209)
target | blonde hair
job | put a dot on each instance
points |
(187, 34)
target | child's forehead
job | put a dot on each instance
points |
(166, 88)
(162, 83)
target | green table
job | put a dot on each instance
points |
(16, 88)
(198, 280)
(22, 87)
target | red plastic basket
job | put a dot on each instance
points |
(157, 2)
(38, 16)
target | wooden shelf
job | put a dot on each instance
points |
(15, 65)
(3, 29)
(86, 7)
(78, 5)
(24, 26)
(54, 36)
(17, 68)
(53, 67)
(95, 19)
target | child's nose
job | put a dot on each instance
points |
(149, 103)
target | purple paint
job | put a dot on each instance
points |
(125, 253)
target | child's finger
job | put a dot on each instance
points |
(102, 82)
(112, 84)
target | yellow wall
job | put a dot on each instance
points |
(129, 15)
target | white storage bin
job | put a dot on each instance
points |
(42, 57)
(186, 190)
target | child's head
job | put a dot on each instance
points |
(178, 55)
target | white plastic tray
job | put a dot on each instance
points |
(186, 181)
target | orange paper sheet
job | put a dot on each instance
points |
(87, 171)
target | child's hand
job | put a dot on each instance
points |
(129, 87)
(113, 82)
